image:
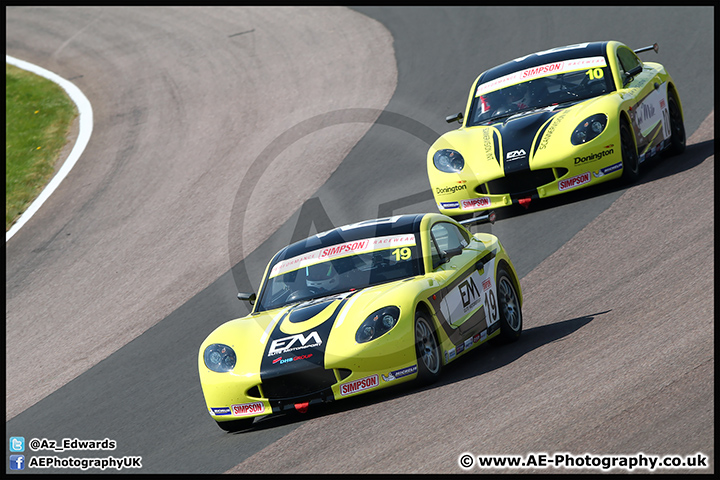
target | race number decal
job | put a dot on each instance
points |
(472, 294)
(595, 73)
(402, 254)
(653, 109)
(491, 304)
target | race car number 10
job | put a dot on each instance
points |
(595, 73)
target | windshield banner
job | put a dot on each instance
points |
(553, 68)
(356, 247)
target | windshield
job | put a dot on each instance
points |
(340, 268)
(539, 87)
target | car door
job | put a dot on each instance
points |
(649, 113)
(467, 304)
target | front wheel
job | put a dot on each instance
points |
(630, 160)
(511, 321)
(427, 350)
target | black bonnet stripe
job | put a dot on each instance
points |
(517, 138)
(288, 353)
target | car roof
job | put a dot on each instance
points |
(590, 49)
(398, 225)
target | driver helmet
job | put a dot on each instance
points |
(496, 99)
(516, 92)
(322, 276)
(537, 91)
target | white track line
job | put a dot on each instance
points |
(86, 126)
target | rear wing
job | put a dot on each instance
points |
(488, 217)
(654, 46)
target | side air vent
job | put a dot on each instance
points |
(254, 392)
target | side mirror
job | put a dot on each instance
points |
(631, 73)
(453, 252)
(454, 118)
(445, 256)
(248, 297)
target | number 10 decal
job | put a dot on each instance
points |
(595, 73)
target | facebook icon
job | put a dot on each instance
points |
(17, 462)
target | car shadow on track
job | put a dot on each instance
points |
(663, 167)
(489, 357)
(650, 171)
(483, 359)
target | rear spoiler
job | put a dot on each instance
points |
(654, 46)
(488, 217)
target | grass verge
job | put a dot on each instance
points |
(38, 116)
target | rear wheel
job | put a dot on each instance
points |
(236, 425)
(511, 321)
(630, 161)
(677, 128)
(427, 350)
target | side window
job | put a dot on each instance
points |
(434, 254)
(464, 237)
(447, 237)
(628, 60)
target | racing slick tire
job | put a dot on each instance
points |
(677, 128)
(511, 321)
(630, 159)
(236, 425)
(427, 350)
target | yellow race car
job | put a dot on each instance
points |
(552, 122)
(360, 308)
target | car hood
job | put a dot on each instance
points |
(296, 337)
(517, 142)
(516, 136)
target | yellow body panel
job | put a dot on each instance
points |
(357, 367)
(564, 166)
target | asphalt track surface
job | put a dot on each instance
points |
(617, 356)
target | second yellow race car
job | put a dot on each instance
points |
(552, 122)
(357, 309)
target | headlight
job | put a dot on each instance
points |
(219, 358)
(377, 324)
(449, 161)
(588, 129)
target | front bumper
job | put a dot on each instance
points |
(520, 188)
(348, 371)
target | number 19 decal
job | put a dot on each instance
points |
(491, 307)
(401, 253)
